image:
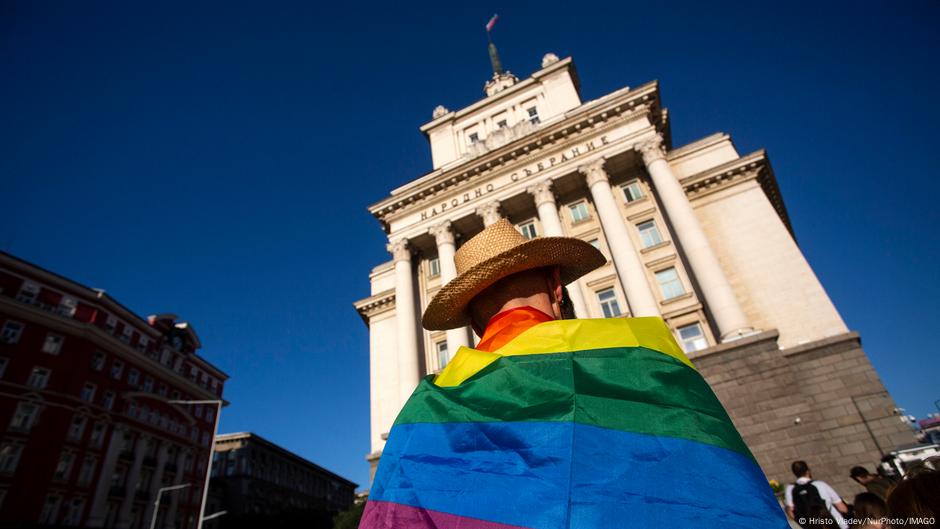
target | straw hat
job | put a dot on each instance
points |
(497, 252)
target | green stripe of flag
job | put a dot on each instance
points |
(633, 389)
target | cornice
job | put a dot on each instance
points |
(375, 305)
(755, 165)
(629, 105)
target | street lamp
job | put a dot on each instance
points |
(215, 428)
(156, 504)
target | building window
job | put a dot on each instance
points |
(3, 365)
(87, 472)
(669, 283)
(161, 390)
(632, 191)
(88, 392)
(64, 468)
(533, 113)
(148, 384)
(133, 377)
(142, 343)
(210, 413)
(434, 267)
(110, 324)
(9, 457)
(97, 363)
(38, 377)
(12, 331)
(108, 400)
(528, 230)
(53, 344)
(117, 369)
(609, 304)
(25, 416)
(474, 138)
(28, 293)
(442, 357)
(692, 338)
(97, 435)
(67, 306)
(77, 428)
(579, 212)
(126, 333)
(73, 511)
(649, 233)
(50, 509)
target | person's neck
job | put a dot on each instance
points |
(536, 301)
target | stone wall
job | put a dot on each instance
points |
(806, 402)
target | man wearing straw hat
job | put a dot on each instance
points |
(553, 423)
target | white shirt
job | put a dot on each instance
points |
(828, 495)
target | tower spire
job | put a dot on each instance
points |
(494, 54)
(501, 78)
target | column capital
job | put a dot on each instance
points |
(400, 250)
(651, 149)
(594, 171)
(542, 192)
(490, 212)
(443, 233)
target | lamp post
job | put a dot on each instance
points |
(156, 503)
(215, 428)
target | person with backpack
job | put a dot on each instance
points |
(807, 500)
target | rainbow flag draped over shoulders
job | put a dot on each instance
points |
(573, 424)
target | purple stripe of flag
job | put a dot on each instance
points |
(389, 515)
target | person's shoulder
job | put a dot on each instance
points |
(825, 488)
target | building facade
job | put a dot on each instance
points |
(697, 234)
(259, 483)
(89, 434)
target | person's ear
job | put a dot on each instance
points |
(558, 290)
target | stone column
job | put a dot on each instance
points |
(130, 490)
(446, 248)
(718, 293)
(551, 223)
(408, 375)
(100, 501)
(490, 212)
(170, 518)
(625, 256)
(156, 481)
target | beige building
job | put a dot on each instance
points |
(697, 234)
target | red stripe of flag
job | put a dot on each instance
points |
(491, 23)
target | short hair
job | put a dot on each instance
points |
(858, 472)
(869, 507)
(799, 468)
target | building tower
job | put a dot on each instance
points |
(697, 234)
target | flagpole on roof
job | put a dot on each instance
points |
(494, 54)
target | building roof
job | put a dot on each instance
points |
(101, 297)
(255, 438)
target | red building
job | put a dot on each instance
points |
(89, 434)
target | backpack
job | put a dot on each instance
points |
(808, 504)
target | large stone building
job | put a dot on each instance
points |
(90, 431)
(697, 234)
(261, 484)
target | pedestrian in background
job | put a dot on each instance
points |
(872, 482)
(808, 499)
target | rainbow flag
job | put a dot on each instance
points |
(573, 424)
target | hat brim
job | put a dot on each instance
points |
(574, 257)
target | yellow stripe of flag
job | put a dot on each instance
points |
(567, 336)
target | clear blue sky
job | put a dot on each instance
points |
(216, 161)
